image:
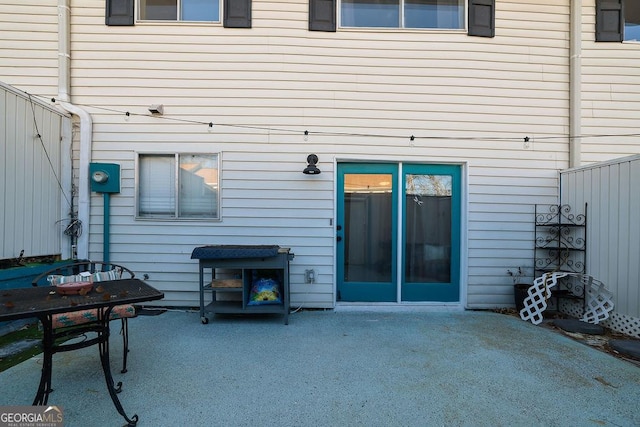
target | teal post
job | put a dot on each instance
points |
(106, 234)
(105, 179)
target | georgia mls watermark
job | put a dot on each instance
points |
(31, 416)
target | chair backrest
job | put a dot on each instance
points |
(98, 270)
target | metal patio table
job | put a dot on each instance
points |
(43, 302)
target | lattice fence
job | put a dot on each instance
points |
(598, 299)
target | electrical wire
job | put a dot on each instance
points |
(211, 124)
(44, 149)
(74, 228)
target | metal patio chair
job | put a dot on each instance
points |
(70, 325)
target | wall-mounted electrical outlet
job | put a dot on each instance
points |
(309, 276)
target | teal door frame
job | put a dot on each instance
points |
(395, 285)
(352, 286)
(446, 287)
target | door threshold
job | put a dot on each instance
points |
(399, 307)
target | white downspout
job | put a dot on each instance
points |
(575, 84)
(86, 126)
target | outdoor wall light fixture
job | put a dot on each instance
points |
(311, 168)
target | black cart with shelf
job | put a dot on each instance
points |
(233, 272)
(560, 245)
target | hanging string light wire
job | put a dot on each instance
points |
(306, 133)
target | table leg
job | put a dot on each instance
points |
(42, 396)
(103, 346)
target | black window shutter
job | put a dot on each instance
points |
(609, 21)
(237, 13)
(482, 18)
(119, 12)
(322, 15)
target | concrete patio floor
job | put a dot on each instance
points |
(343, 368)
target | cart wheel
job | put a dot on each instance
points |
(204, 320)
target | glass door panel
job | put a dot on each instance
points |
(366, 233)
(431, 233)
(428, 228)
(367, 228)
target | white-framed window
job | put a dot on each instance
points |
(631, 20)
(177, 186)
(423, 14)
(179, 10)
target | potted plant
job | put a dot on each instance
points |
(519, 289)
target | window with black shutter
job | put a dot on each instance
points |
(119, 12)
(482, 18)
(322, 15)
(609, 21)
(414, 14)
(237, 13)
